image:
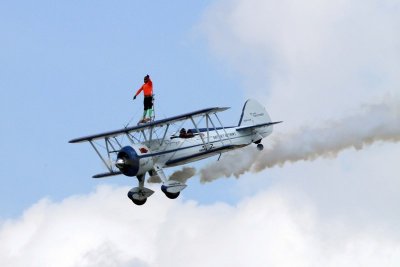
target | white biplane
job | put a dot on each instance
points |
(153, 146)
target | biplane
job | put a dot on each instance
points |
(159, 144)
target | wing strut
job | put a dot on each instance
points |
(208, 130)
(223, 128)
(219, 136)
(111, 145)
(101, 157)
(116, 140)
(144, 135)
(108, 150)
(165, 133)
(130, 138)
(197, 129)
(151, 135)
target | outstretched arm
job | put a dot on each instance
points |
(138, 91)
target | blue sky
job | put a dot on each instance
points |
(70, 68)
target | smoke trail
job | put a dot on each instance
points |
(378, 122)
(155, 179)
(181, 176)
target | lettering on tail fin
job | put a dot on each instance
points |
(253, 113)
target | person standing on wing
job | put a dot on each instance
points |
(147, 89)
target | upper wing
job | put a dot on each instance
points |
(158, 123)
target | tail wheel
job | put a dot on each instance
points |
(172, 195)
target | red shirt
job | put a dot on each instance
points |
(147, 89)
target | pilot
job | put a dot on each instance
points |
(182, 133)
(147, 89)
(189, 133)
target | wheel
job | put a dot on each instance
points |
(168, 194)
(139, 202)
(260, 147)
(172, 195)
(136, 201)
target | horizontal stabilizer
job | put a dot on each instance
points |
(243, 128)
(106, 174)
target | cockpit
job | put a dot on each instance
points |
(186, 134)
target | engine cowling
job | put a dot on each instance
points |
(132, 160)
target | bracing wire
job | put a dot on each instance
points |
(137, 110)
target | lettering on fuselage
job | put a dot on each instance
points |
(228, 135)
(169, 142)
(207, 147)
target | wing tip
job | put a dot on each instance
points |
(107, 174)
(77, 140)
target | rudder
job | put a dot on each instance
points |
(253, 113)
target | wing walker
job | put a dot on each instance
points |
(152, 146)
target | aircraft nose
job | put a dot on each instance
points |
(120, 163)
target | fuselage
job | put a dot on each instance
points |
(176, 151)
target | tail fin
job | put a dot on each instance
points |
(253, 113)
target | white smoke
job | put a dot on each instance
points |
(183, 175)
(180, 175)
(308, 58)
(155, 179)
(377, 122)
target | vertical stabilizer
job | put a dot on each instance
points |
(253, 113)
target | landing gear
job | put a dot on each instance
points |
(138, 202)
(139, 194)
(172, 195)
(172, 189)
(169, 194)
(259, 145)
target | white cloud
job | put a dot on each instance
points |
(269, 229)
(311, 62)
(355, 188)
(310, 59)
